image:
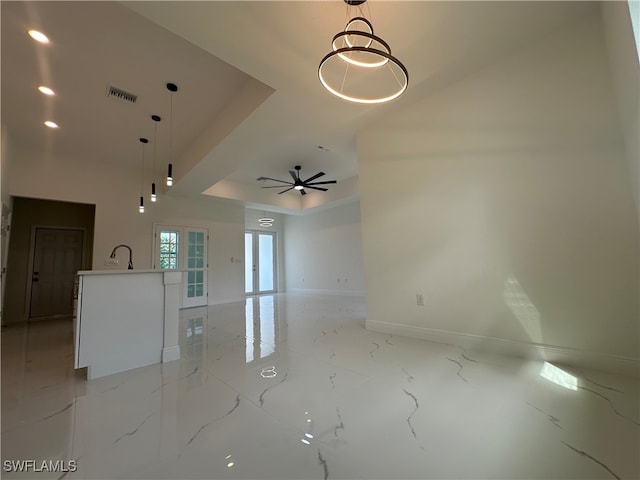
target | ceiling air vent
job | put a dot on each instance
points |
(120, 94)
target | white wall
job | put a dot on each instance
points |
(5, 206)
(323, 251)
(5, 164)
(504, 199)
(115, 191)
(625, 69)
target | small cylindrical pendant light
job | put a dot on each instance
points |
(156, 119)
(143, 141)
(172, 87)
(170, 175)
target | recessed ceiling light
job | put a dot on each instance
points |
(51, 124)
(46, 90)
(38, 36)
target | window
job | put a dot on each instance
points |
(169, 241)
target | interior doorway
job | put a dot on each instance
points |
(260, 262)
(57, 257)
(31, 216)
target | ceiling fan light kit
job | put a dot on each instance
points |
(360, 67)
(298, 184)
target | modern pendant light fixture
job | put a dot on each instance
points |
(172, 87)
(360, 67)
(266, 221)
(156, 119)
(143, 141)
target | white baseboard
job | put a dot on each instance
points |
(169, 354)
(562, 355)
(340, 293)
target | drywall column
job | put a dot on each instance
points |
(172, 285)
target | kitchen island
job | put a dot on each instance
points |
(126, 319)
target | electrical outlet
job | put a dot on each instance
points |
(419, 299)
(111, 261)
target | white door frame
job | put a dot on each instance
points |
(256, 262)
(183, 255)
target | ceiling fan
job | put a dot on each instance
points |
(298, 183)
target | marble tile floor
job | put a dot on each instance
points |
(293, 386)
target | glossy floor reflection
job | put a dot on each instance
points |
(292, 386)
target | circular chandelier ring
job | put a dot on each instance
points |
(362, 20)
(349, 98)
(366, 49)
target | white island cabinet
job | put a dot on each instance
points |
(126, 319)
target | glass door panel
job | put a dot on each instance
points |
(195, 279)
(169, 240)
(248, 263)
(266, 262)
(260, 262)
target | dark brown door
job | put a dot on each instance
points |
(56, 260)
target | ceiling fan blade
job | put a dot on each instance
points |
(272, 179)
(290, 188)
(316, 188)
(321, 183)
(293, 175)
(317, 175)
(277, 186)
(302, 192)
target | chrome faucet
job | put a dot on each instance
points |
(113, 254)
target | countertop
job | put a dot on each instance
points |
(118, 272)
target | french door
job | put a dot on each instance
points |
(184, 249)
(259, 262)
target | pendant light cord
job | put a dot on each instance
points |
(142, 174)
(155, 139)
(171, 128)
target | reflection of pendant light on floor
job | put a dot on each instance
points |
(156, 119)
(360, 67)
(172, 87)
(143, 141)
